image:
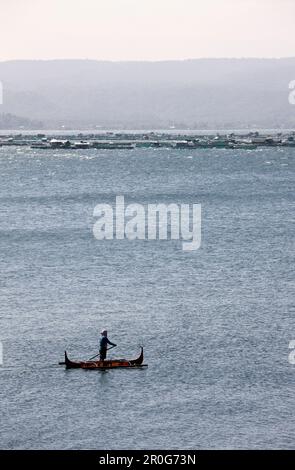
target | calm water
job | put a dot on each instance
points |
(215, 323)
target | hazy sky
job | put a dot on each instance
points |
(146, 29)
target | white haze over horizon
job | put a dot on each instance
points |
(123, 30)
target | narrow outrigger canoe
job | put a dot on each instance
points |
(108, 364)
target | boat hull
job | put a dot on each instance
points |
(108, 364)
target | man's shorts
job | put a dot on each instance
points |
(102, 354)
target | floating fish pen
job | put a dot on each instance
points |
(129, 141)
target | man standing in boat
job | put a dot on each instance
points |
(104, 341)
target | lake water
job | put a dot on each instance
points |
(215, 323)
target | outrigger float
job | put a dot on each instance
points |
(108, 364)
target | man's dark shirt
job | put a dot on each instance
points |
(104, 341)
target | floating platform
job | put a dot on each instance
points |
(130, 141)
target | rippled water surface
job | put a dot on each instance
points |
(215, 323)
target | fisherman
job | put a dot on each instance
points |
(104, 341)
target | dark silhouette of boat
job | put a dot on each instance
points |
(107, 364)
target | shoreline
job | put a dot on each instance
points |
(129, 140)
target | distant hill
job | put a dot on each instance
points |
(203, 93)
(10, 121)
